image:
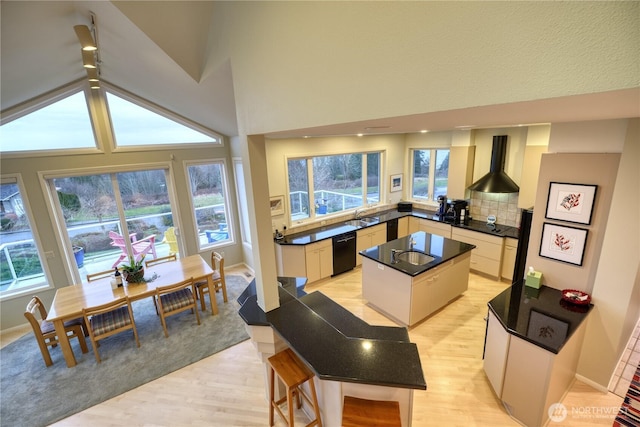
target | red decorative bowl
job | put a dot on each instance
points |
(576, 297)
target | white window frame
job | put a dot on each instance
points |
(225, 184)
(430, 199)
(57, 218)
(46, 284)
(157, 110)
(310, 185)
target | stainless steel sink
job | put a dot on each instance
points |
(360, 222)
(414, 257)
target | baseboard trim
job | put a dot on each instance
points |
(591, 383)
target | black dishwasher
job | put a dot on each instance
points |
(392, 229)
(344, 252)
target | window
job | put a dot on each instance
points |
(64, 124)
(325, 185)
(430, 172)
(134, 125)
(208, 185)
(20, 264)
(94, 207)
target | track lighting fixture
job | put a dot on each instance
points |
(85, 37)
(88, 59)
(88, 37)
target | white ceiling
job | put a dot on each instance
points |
(161, 52)
(158, 52)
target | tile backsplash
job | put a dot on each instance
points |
(503, 205)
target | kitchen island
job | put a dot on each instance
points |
(348, 356)
(409, 278)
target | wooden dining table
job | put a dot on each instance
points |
(69, 301)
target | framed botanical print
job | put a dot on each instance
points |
(563, 243)
(571, 202)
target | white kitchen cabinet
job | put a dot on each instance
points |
(496, 348)
(414, 224)
(434, 227)
(487, 256)
(461, 160)
(291, 260)
(403, 226)
(407, 299)
(319, 260)
(369, 237)
(509, 257)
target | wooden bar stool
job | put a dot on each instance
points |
(370, 413)
(293, 373)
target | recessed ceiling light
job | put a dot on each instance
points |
(424, 131)
(360, 134)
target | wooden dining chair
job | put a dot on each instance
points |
(109, 319)
(173, 299)
(202, 285)
(99, 275)
(160, 260)
(45, 332)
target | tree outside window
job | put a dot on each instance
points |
(430, 173)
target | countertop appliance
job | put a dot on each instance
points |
(454, 209)
(344, 252)
(405, 206)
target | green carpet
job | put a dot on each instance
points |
(34, 395)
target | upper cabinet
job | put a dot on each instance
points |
(530, 172)
(461, 160)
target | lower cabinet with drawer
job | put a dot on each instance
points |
(368, 237)
(434, 227)
(487, 256)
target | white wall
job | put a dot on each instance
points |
(303, 64)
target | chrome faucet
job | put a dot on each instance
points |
(358, 213)
(394, 255)
(412, 243)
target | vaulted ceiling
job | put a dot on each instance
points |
(156, 50)
(164, 51)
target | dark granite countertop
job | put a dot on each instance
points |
(539, 316)
(439, 247)
(337, 345)
(329, 231)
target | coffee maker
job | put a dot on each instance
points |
(454, 209)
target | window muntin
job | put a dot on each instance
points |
(132, 203)
(429, 174)
(21, 267)
(209, 196)
(62, 125)
(134, 125)
(325, 185)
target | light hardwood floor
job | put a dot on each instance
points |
(227, 389)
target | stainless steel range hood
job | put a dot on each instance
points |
(496, 181)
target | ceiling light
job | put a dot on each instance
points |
(360, 134)
(85, 37)
(424, 131)
(93, 74)
(88, 59)
(95, 85)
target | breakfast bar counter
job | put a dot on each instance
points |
(349, 356)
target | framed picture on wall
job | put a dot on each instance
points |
(396, 182)
(277, 205)
(563, 243)
(571, 202)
